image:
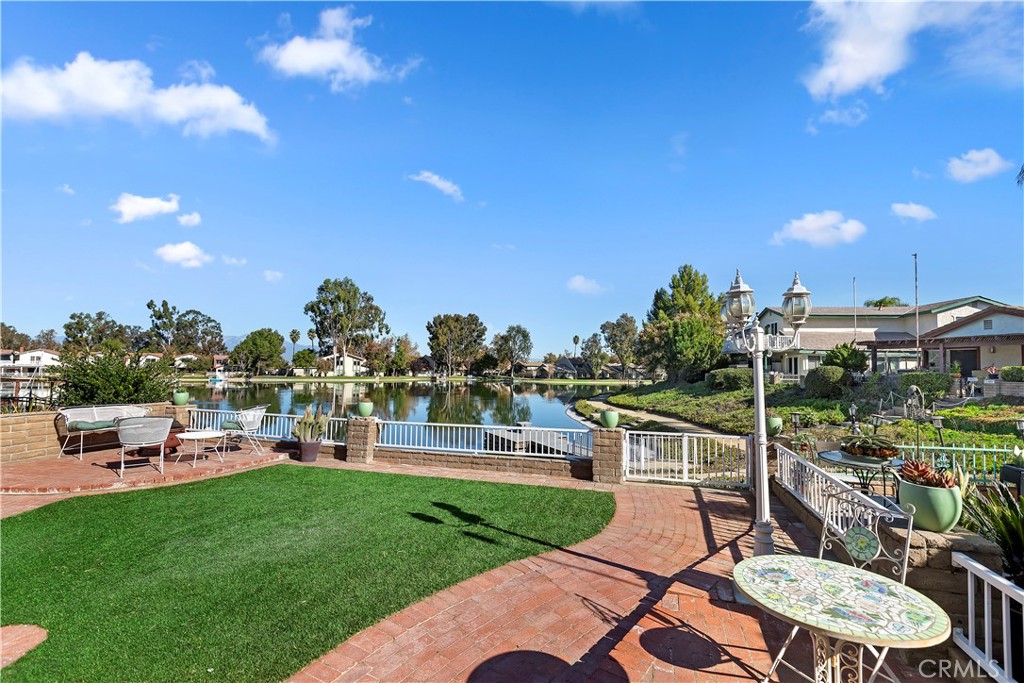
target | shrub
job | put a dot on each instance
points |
(111, 379)
(1012, 373)
(730, 379)
(934, 385)
(825, 381)
(847, 357)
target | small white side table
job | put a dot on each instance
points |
(200, 438)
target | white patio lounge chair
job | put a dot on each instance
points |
(140, 432)
(245, 424)
(853, 528)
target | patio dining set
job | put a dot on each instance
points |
(137, 430)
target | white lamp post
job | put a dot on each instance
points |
(747, 336)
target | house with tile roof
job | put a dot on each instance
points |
(890, 334)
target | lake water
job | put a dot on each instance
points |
(542, 405)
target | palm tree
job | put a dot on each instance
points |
(884, 302)
(1020, 177)
(575, 343)
(312, 337)
(294, 335)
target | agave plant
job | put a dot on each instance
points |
(997, 516)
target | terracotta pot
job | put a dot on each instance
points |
(308, 451)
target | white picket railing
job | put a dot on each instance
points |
(540, 442)
(998, 664)
(273, 426)
(981, 462)
(713, 459)
(811, 484)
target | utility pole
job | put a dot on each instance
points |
(917, 318)
(855, 310)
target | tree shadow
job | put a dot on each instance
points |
(531, 666)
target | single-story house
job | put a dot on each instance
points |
(348, 365)
(530, 369)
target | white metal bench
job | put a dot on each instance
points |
(82, 420)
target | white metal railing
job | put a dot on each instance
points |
(714, 459)
(788, 378)
(485, 439)
(981, 462)
(810, 484)
(997, 662)
(273, 426)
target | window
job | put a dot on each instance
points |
(771, 328)
(987, 324)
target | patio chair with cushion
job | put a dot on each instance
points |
(245, 424)
(851, 531)
(142, 432)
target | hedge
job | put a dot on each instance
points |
(934, 385)
(825, 381)
(1012, 373)
(730, 379)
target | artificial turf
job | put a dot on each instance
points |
(250, 577)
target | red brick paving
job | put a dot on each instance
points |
(18, 639)
(648, 599)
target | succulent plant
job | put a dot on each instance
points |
(870, 445)
(310, 427)
(921, 473)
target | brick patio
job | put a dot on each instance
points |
(648, 599)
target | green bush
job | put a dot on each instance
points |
(847, 357)
(112, 379)
(1012, 373)
(825, 381)
(934, 385)
(730, 379)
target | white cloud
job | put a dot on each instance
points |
(865, 43)
(824, 229)
(190, 220)
(272, 275)
(918, 212)
(333, 54)
(678, 144)
(95, 88)
(133, 207)
(919, 174)
(503, 247)
(197, 70)
(976, 164)
(65, 188)
(232, 261)
(583, 285)
(184, 254)
(407, 101)
(848, 116)
(443, 184)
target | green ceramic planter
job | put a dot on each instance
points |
(773, 426)
(934, 509)
(179, 397)
(364, 408)
(610, 418)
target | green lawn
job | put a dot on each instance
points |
(250, 577)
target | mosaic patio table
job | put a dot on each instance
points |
(839, 602)
(865, 469)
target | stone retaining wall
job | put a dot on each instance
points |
(1000, 388)
(32, 435)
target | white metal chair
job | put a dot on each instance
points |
(852, 523)
(140, 432)
(245, 424)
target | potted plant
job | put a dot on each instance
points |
(773, 426)
(936, 496)
(955, 369)
(364, 408)
(803, 443)
(610, 418)
(309, 430)
(869, 446)
(180, 396)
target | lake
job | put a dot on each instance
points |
(542, 405)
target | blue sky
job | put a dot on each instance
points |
(535, 163)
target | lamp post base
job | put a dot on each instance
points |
(764, 544)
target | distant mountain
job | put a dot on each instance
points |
(232, 342)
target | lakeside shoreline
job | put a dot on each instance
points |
(269, 379)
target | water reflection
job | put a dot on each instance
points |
(543, 405)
